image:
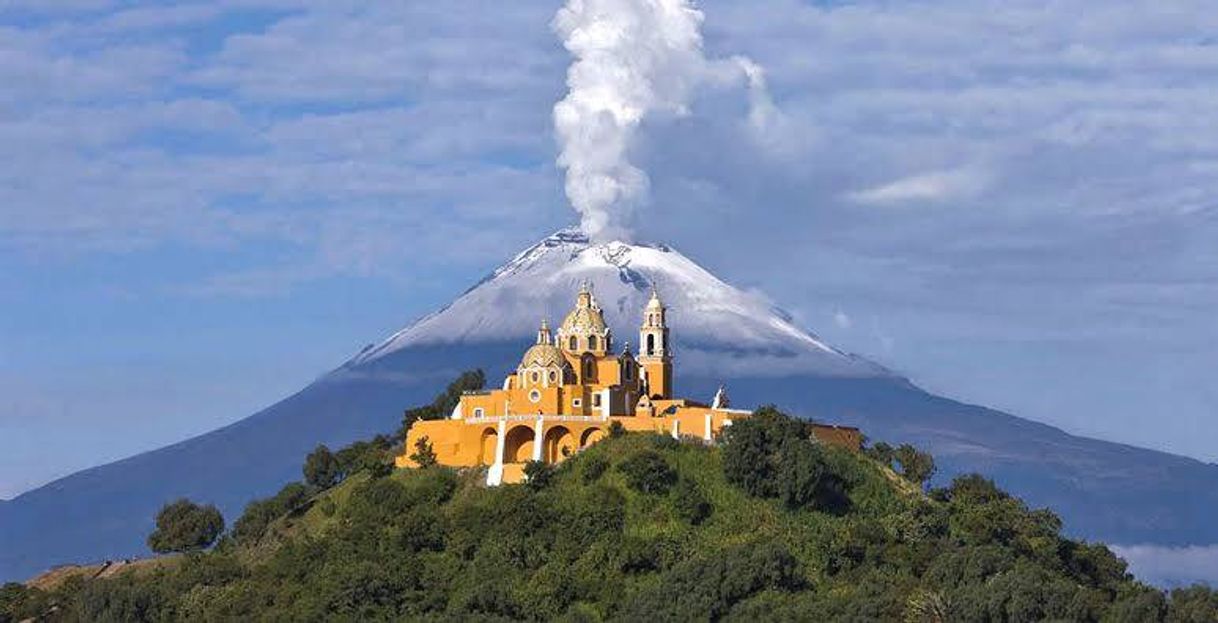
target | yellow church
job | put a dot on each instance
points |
(568, 389)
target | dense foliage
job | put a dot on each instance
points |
(183, 526)
(765, 526)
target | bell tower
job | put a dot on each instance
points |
(655, 353)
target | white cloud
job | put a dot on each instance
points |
(1172, 566)
(935, 186)
(842, 320)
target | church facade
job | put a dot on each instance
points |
(570, 386)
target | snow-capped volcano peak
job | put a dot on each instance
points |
(714, 325)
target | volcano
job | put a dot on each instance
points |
(1103, 491)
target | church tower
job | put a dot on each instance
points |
(655, 353)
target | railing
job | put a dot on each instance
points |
(489, 419)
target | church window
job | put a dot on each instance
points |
(536, 376)
(535, 396)
(596, 400)
(573, 343)
(651, 344)
(626, 372)
(577, 403)
(591, 342)
(479, 412)
(553, 376)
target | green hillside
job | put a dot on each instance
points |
(765, 526)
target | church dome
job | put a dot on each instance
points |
(654, 303)
(543, 355)
(584, 320)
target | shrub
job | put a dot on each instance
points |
(705, 589)
(648, 472)
(881, 452)
(593, 468)
(616, 430)
(690, 504)
(183, 526)
(423, 455)
(259, 514)
(537, 475)
(19, 602)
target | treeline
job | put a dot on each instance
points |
(767, 525)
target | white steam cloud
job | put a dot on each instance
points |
(632, 59)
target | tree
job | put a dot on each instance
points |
(648, 472)
(424, 456)
(183, 526)
(916, 466)
(1193, 604)
(374, 457)
(444, 403)
(881, 452)
(321, 468)
(537, 475)
(770, 455)
(259, 514)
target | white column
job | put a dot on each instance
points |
(494, 476)
(706, 436)
(676, 429)
(538, 437)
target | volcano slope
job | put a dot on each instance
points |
(1105, 491)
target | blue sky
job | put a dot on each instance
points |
(205, 205)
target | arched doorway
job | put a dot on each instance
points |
(559, 444)
(591, 436)
(490, 439)
(518, 445)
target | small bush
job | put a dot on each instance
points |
(424, 456)
(616, 430)
(537, 475)
(593, 468)
(648, 472)
(690, 504)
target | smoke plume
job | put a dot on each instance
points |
(632, 59)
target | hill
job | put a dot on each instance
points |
(767, 526)
(1104, 491)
